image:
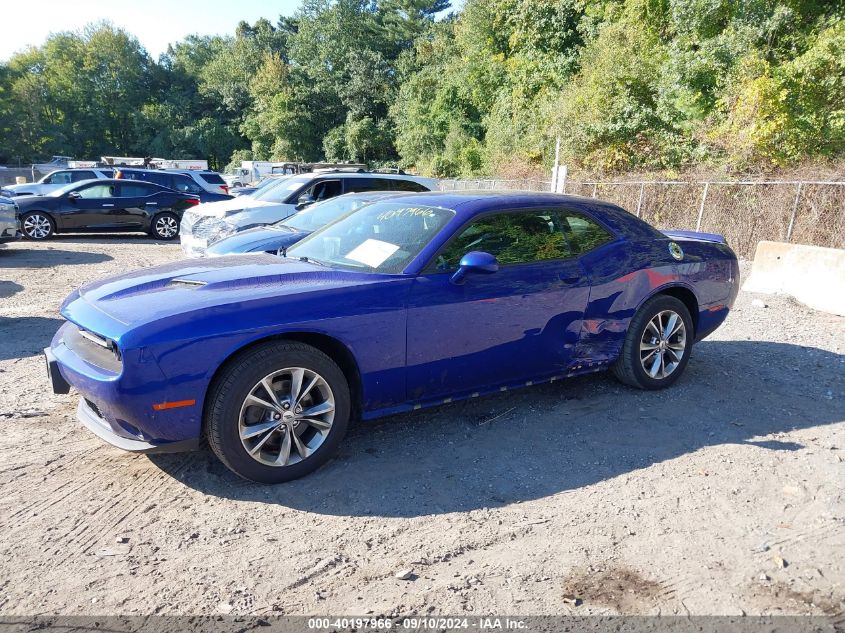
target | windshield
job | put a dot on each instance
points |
(280, 191)
(322, 213)
(382, 237)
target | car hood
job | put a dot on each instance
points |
(258, 239)
(34, 199)
(222, 208)
(114, 305)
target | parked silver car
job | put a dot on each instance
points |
(208, 223)
(57, 179)
(9, 224)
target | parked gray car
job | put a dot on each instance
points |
(56, 179)
(9, 225)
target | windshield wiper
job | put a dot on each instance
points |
(311, 260)
(282, 251)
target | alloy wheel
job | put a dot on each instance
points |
(166, 227)
(286, 416)
(37, 226)
(663, 344)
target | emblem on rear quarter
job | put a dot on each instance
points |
(676, 251)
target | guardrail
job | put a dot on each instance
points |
(744, 211)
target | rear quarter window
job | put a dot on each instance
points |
(585, 233)
(407, 185)
(213, 179)
(185, 184)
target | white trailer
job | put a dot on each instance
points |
(250, 172)
(156, 163)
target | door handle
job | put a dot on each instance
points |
(108, 205)
(151, 204)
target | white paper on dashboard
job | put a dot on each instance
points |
(372, 252)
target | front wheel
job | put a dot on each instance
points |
(37, 225)
(278, 412)
(657, 346)
(165, 226)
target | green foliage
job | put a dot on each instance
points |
(650, 84)
(780, 114)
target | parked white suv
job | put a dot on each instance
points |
(208, 223)
(56, 179)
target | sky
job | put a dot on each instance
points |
(155, 23)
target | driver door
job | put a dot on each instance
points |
(96, 206)
(517, 324)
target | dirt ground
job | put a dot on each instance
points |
(722, 495)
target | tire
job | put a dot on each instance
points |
(37, 225)
(649, 360)
(231, 413)
(165, 226)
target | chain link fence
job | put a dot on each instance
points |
(8, 175)
(745, 212)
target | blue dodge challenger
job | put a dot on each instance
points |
(406, 303)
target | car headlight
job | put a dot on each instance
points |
(189, 218)
(216, 229)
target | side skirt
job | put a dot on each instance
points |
(578, 369)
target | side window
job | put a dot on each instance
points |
(361, 184)
(59, 178)
(185, 184)
(514, 238)
(135, 190)
(406, 185)
(78, 176)
(97, 191)
(325, 189)
(584, 233)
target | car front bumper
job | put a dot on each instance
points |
(120, 408)
(10, 233)
(98, 425)
(193, 246)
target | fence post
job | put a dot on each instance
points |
(556, 165)
(595, 188)
(794, 211)
(701, 208)
(640, 201)
(560, 180)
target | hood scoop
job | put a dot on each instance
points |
(186, 283)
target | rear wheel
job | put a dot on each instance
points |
(165, 226)
(278, 412)
(657, 346)
(37, 225)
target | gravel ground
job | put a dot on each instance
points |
(722, 495)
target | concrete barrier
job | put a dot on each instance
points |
(814, 275)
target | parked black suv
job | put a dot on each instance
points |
(208, 185)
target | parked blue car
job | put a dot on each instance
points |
(270, 238)
(403, 304)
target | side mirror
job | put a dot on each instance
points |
(74, 195)
(304, 200)
(474, 262)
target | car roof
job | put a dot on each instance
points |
(467, 204)
(371, 195)
(358, 174)
(118, 181)
(107, 167)
(185, 170)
